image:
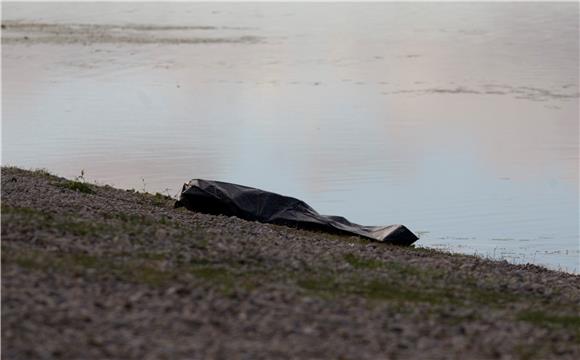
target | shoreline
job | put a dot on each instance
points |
(123, 274)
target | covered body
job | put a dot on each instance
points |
(221, 198)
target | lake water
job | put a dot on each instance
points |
(459, 120)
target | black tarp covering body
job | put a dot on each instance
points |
(220, 198)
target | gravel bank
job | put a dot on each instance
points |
(96, 272)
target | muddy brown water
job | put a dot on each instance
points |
(459, 120)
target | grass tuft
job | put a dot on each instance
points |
(375, 289)
(77, 186)
(544, 319)
(361, 263)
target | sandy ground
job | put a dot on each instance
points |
(95, 272)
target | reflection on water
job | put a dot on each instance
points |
(459, 120)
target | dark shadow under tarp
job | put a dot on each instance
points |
(220, 198)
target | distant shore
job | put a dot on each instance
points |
(96, 272)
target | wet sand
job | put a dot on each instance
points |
(96, 272)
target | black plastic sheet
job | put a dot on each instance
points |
(220, 198)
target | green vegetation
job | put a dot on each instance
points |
(134, 226)
(545, 319)
(23, 211)
(375, 289)
(79, 227)
(531, 351)
(390, 266)
(41, 172)
(146, 268)
(361, 263)
(65, 224)
(123, 269)
(77, 186)
(128, 219)
(404, 284)
(160, 199)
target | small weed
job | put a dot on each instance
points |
(81, 177)
(200, 263)
(407, 270)
(24, 262)
(141, 268)
(42, 172)
(6, 209)
(131, 219)
(324, 285)
(361, 263)
(84, 261)
(221, 278)
(38, 260)
(77, 186)
(227, 276)
(454, 319)
(530, 351)
(490, 297)
(156, 256)
(79, 228)
(545, 319)
(378, 289)
(132, 271)
(159, 199)
(147, 275)
(210, 273)
(390, 266)
(371, 289)
(197, 239)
